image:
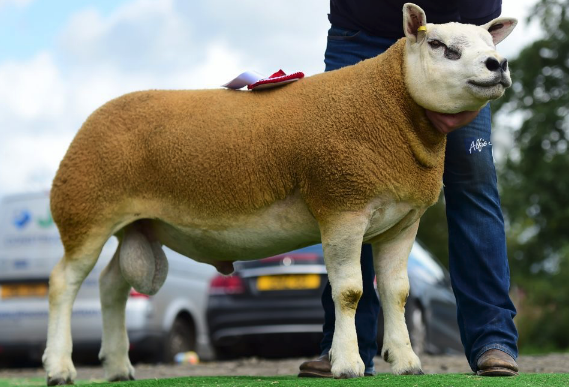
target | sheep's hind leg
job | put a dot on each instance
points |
(114, 292)
(64, 283)
(390, 261)
(342, 244)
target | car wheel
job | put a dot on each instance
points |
(234, 349)
(181, 338)
(417, 329)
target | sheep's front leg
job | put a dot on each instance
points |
(390, 262)
(342, 244)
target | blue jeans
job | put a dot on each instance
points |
(479, 268)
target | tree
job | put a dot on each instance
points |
(534, 180)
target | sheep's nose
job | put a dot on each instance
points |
(492, 64)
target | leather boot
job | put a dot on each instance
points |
(496, 363)
(319, 368)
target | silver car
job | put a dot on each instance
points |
(160, 326)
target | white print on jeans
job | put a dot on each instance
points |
(478, 145)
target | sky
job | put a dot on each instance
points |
(61, 59)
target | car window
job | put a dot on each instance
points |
(421, 262)
(317, 249)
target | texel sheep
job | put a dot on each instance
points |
(343, 158)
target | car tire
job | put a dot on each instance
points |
(181, 338)
(233, 351)
(417, 328)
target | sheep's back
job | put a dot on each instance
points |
(213, 151)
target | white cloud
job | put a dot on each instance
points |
(31, 91)
(29, 161)
(524, 33)
(169, 35)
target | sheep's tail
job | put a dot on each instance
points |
(142, 261)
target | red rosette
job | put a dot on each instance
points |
(277, 79)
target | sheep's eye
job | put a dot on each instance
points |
(452, 54)
(436, 44)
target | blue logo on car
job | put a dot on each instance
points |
(22, 218)
(21, 264)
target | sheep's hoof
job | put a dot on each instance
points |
(347, 375)
(121, 378)
(59, 381)
(413, 372)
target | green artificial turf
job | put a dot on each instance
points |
(440, 380)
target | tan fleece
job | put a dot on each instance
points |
(339, 138)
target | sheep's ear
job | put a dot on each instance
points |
(413, 18)
(500, 28)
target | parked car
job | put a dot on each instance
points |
(272, 307)
(160, 326)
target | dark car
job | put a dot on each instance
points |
(272, 308)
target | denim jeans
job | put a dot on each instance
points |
(479, 268)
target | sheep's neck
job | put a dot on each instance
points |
(388, 81)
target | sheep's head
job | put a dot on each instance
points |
(454, 67)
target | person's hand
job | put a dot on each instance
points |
(446, 123)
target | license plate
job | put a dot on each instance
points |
(288, 282)
(23, 290)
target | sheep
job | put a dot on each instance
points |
(342, 158)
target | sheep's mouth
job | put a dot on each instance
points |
(489, 89)
(488, 85)
(505, 83)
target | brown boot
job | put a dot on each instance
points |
(319, 368)
(496, 363)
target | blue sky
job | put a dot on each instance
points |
(28, 27)
(61, 59)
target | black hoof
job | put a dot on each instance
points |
(121, 378)
(413, 372)
(59, 381)
(349, 375)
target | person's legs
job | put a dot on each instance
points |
(477, 244)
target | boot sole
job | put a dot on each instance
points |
(314, 374)
(497, 371)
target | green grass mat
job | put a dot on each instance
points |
(384, 380)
